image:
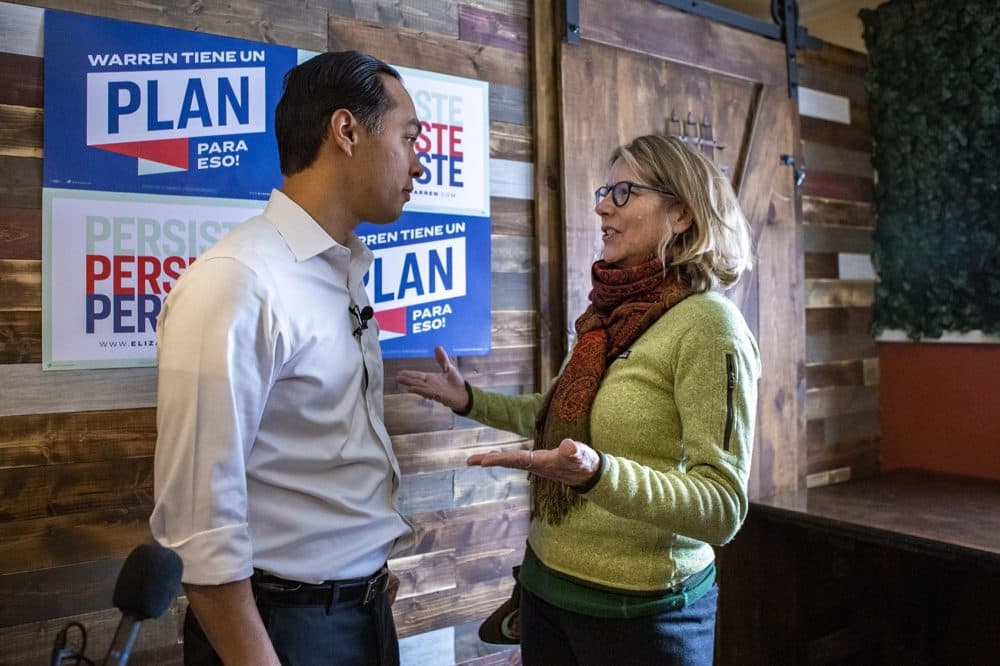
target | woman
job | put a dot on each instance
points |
(643, 445)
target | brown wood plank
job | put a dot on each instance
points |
(490, 562)
(838, 373)
(844, 213)
(439, 18)
(839, 293)
(438, 451)
(826, 348)
(450, 607)
(836, 160)
(300, 25)
(470, 527)
(511, 142)
(851, 427)
(57, 592)
(20, 131)
(828, 238)
(822, 265)
(842, 321)
(20, 233)
(412, 49)
(511, 254)
(548, 213)
(836, 82)
(31, 643)
(830, 133)
(510, 104)
(52, 490)
(513, 217)
(424, 573)
(20, 182)
(20, 336)
(26, 389)
(872, 371)
(22, 79)
(20, 284)
(77, 437)
(409, 413)
(504, 31)
(56, 541)
(768, 200)
(833, 56)
(641, 26)
(837, 186)
(840, 400)
(861, 456)
(513, 366)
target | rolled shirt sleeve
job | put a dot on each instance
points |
(218, 341)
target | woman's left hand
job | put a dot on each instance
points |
(573, 463)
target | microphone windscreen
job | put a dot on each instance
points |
(148, 582)
(367, 313)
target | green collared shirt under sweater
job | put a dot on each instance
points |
(673, 420)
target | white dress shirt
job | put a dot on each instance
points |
(271, 448)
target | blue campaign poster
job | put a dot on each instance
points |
(145, 109)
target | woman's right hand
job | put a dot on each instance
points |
(446, 387)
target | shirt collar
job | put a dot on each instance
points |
(303, 235)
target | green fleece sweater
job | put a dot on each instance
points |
(674, 419)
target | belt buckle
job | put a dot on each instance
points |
(376, 585)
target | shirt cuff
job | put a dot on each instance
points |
(215, 557)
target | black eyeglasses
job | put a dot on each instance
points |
(622, 190)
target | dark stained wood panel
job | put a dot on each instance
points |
(838, 320)
(837, 186)
(20, 182)
(511, 142)
(54, 490)
(20, 233)
(20, 336)
(642, 27)
(839, 373)
(836, 160)
(423, 51)
(826, 348)
(821, 265)
(22, 79)
(830, 133)
(828, 238)
(504, 31)
(513, 217)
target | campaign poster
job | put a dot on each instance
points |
(158, 141)
(430, 281)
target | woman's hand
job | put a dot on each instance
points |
(446, 387)
(573, 463)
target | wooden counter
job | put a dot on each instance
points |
(903, 568)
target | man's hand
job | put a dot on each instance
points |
(228, 615)
(573, 463)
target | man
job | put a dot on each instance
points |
(275, 480)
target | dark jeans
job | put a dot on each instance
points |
(551, 636)
(351, 634)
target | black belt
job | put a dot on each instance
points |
(327, 594)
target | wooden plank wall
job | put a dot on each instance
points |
(76, 447)
(842, 373)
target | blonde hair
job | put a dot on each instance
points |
(715, 250)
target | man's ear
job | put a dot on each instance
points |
(344, 131)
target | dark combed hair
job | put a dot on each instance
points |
(318, 87)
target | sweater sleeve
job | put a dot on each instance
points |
(513, 413)
(705, 496)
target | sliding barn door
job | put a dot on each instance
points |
(641, 67)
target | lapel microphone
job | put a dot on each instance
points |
(362, 315)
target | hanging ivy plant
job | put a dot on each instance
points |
(933, 82)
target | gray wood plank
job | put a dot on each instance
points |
(25, 389)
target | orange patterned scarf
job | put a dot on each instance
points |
(624, 302)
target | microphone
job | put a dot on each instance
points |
(362, 315)
(146, 586)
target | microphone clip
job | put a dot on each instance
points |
(362, 315)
